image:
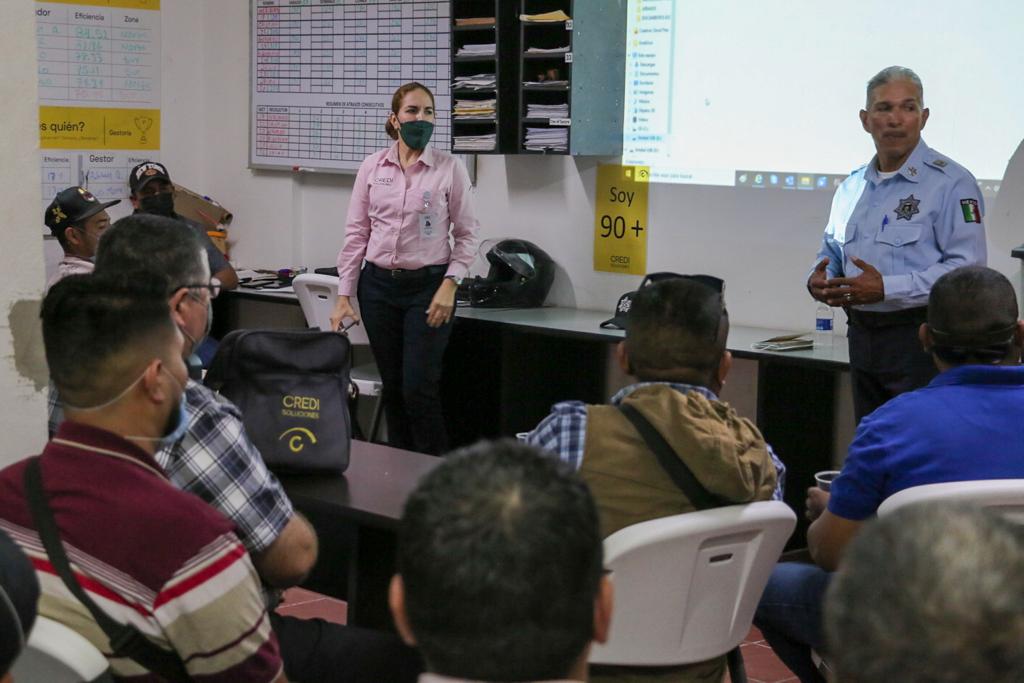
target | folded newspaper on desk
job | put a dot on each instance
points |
(785, 342)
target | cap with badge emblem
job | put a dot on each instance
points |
(146, 172)
(72, 206)
(621, 319)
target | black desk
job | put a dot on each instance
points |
(505, 368)
(356, 517)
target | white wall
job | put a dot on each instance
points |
(762, 243)
(22, 368)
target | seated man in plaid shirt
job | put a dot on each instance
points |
(675, 342)
(216, 461)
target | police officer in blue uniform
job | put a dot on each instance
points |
(897, 224)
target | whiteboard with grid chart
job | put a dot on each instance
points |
(323, 72)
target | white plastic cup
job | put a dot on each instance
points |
(824, 479)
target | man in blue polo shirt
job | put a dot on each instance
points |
(967, 424)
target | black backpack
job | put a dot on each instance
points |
(292, 387)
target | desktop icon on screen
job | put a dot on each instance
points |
(822, 181)
(759, 179)
(773, 179)
(790, 181)
(806, 181)
(742, 178)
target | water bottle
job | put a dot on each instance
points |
(823, 318)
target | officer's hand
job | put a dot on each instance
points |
(817, 502)
(442, 306)
(866, 288)
(342, 310)
(817, 281)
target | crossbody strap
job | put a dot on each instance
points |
(125, 640)
(700, 497)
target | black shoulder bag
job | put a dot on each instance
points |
(701, 498)
(125, 640)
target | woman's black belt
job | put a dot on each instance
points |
(404, 274)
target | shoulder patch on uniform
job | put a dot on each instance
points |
(972, 212)
(941, 163)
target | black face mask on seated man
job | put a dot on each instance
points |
(159, 204)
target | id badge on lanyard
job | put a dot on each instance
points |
(427, 216)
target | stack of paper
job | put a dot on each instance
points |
(547, 111)
(549, 139)
(475, 109)
(475, 21)
(474, 143)
(475, 82)
(786, 342)
(545, 17)
(476, 50)
(546, 50)
(540, 85)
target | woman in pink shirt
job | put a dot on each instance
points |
(411, 220)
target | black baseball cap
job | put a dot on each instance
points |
(72, 206)
(621, 318)
(145, 172)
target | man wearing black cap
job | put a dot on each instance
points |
(77, 219)
(153, 192)
(967, 424)
(19, 594)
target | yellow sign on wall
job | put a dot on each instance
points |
(91, 128)
(620, 220)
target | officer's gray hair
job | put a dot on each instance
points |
(895, 73)
(933, 593)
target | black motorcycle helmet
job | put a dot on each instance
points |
(520, 276)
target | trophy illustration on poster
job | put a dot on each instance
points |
(143, 123)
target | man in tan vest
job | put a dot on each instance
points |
(675, 346)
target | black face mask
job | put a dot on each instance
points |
(160, 204)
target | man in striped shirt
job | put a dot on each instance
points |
(147, 554)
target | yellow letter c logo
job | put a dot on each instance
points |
(296, 442)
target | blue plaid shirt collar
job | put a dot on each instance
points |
(678, 386)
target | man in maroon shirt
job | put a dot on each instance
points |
(147, 554)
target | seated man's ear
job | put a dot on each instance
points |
(175, 302)
(71, 236)
(603, 605)
(724, 366)
(1018, 334)
(622, 356)
(396, 601)
(924, 335)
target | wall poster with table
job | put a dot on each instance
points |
(99, 93)
(323, 72)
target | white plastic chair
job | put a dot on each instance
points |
(317, 295)
(686, 586)
(1005, 495)
(57, 654)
